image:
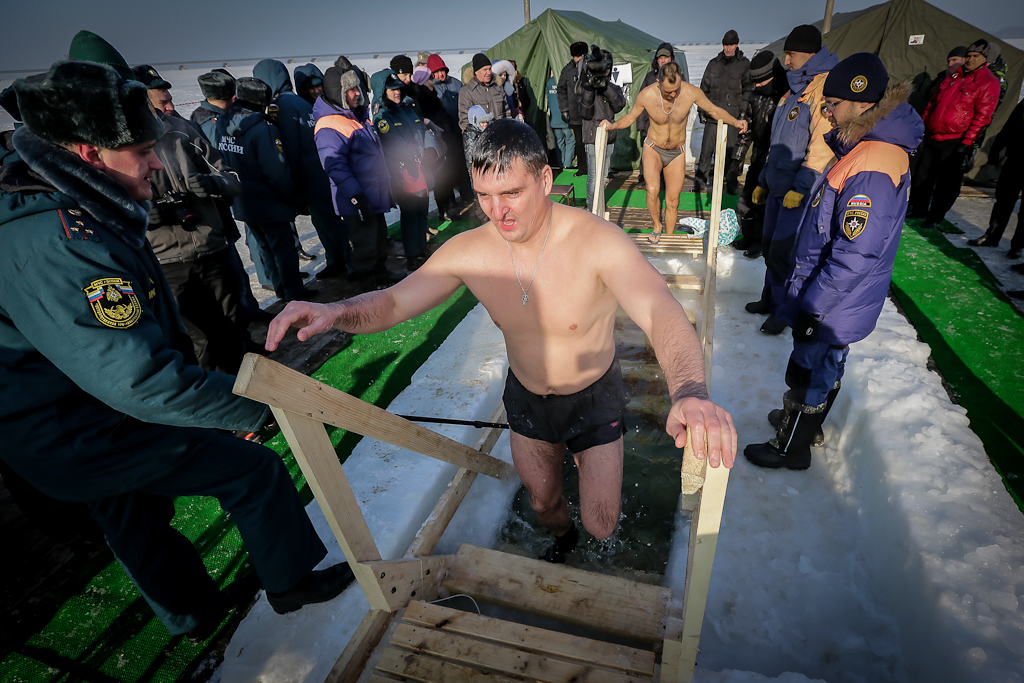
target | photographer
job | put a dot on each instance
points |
(601, 101)
(190, 240)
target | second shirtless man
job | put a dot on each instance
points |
(551, 277)
(667, 103)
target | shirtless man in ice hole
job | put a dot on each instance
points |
(668, 103)
(551, 277)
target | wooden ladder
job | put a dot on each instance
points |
(428, 642)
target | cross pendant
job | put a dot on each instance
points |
(525, 299)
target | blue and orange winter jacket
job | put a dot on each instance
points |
(846, 243)
(798, 153)
(353, 157)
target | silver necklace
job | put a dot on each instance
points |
(515, 269)
(663, 104)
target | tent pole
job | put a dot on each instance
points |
(526, 9)
(825, 27)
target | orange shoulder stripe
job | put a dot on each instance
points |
(342, 124)
(880, 157)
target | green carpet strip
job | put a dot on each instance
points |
(977, 340)
(96, 627)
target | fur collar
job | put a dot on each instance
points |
(853, 131)
(100, 196)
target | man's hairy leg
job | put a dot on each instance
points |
(601, 487)
(539, 465)
(651, 161)
(675, 174)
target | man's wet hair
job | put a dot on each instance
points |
(669, 73)
(502, 143)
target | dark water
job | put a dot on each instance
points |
(640, 547)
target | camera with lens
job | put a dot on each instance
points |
(598, 68)
(179, 203)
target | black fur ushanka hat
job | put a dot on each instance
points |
(89, 103)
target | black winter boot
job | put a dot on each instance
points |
(773, 325)
(762, 305)
(775, 416)
(791, 447)
(317, 586)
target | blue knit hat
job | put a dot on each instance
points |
(859, 78)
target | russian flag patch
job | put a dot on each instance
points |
(860, 201)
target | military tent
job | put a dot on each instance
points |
(542, 46)
(913, 38)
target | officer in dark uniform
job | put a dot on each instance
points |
(97, 400)
(294, 119)
(251, 144)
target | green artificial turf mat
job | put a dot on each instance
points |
(976, 337)
(94, 626)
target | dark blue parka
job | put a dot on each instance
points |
(205, 119)
(294, 119)
(91, 346)
(252, 146)
(847, 241)
(353, 157)
(798, 153)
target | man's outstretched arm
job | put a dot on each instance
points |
(642, 292)
(427, 287)
(627, 120)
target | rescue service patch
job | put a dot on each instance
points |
(860, 201)
(793, 113)
(383, 125)
(272, 111)
(280, 147)
(824, 109)
(113, 302)
(854, 222)
(859, 83)
(817, 197)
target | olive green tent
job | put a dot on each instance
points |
(913, 38)
(541, 47)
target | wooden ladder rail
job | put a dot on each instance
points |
(703, 488)
(600, 149)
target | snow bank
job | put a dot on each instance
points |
(896, 557)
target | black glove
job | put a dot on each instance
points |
(162, 214)
(565, 116)
(969, 153)
(805, 329)
(362, 205)
(204, 185)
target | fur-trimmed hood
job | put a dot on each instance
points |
(892, 120)
(92, 190)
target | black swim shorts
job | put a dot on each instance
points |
(588, 418)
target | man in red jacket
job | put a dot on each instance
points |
(954, 120)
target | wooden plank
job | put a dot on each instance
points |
(692, 469)
(676, 281)
(350, 664)
(405, 579)
(600, 146)
(704, 526)
(503, 660)
(604, 603)
(531, 639)
(707, 323)
(264, 380)
(319, 463)
(416, 667)
(433, 528)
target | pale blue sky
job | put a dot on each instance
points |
(38, 32)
